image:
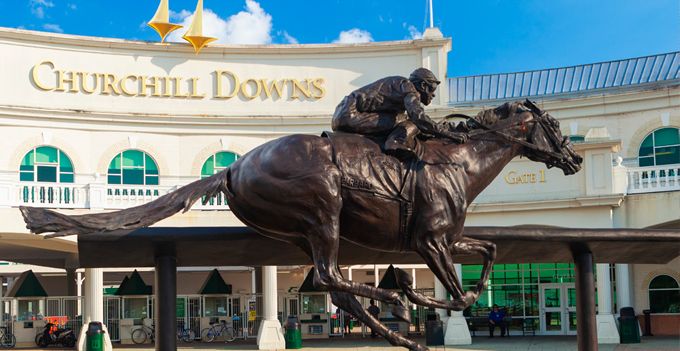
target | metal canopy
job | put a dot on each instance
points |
(241, 246)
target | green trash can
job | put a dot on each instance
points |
(628, 326)
(94, 337)
(293, 333)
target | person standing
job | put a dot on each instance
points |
(374, 311)
(496, 318)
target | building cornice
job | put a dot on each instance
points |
(87, 42)
(514, 206)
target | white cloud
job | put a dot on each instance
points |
(38, 7)
(72, 6)
(354, 35)
(53, 28)
(414, 33)
(252, 26)
(21, 27)
(288, 39)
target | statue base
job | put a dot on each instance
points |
(271, 336)
(457, 332)
(607, 332)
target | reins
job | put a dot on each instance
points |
(486, 129)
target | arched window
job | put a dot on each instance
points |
(133, 167)
(46, 164)
(661, 147)
(217, 163)
(664, 295)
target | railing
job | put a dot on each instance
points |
(653, 179)
(91, 196)
(60, 195)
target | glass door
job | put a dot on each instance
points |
(558, 309)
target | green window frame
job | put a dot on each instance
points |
(664, 294)
(46, 164)
(217, 163)
(661, 147)
(577, 138)
(133, 167)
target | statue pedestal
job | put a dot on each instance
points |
(607, 333)
(271, 336)
(457, 332)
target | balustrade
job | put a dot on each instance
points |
(653, 179)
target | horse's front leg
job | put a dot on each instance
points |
(350, 304)
(487, 249)
(437, 256)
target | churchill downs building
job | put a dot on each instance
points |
(94, 124)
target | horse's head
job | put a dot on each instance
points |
(537, 131)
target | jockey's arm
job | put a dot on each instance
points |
(425, 124)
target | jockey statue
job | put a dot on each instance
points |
(378, 109)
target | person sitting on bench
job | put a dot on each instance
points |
(496, 318)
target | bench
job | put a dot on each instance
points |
(481, 324)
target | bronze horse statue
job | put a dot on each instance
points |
(291, 189)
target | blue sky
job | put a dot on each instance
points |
(489, 36)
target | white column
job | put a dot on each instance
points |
(413, 274)
(13, 303)
(349, 273)
(376, 273)
(440, 293)
(622, 287)
(270, 336)
(607, 332)
(94, 305)
(253, 287)
(457, 330)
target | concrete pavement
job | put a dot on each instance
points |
(514, 343)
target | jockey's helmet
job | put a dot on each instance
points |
(423, 74)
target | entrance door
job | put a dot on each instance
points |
(558, 309)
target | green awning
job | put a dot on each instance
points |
(27, 285)
(308, 285)
(135, 286)
(122, 285)
(389, 280)
(215, 285)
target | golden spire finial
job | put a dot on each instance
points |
(194, 34)
(161, 21)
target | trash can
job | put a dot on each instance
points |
(648, 323)
(628, 326)
(434, 330)
(94, 337)
(293, 333)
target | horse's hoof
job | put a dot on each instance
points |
(402, 313)
(418, 347)
(403, 277)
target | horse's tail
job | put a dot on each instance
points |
(40, 220)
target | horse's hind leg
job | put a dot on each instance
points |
(350, 304)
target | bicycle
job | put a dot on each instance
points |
(188, 335)
(226, 333)
(7, 339)
(140, 335)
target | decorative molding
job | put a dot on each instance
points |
(644, 131)
(214, 148)
(657, 272)
(115, 149)
(47, 137)
(608, 200)
(39, 140)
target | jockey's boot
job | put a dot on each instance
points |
(401, 141)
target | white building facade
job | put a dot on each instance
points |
(92, 124)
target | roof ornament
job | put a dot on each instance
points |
(161, 21)
(194, 34)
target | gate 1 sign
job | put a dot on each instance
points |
(181, 308)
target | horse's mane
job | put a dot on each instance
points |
(505, 111)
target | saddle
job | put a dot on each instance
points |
(365, 168)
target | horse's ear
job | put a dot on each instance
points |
(532, 105)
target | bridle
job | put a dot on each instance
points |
(541, 121)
